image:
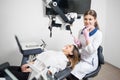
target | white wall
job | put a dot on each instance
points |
(112, 31)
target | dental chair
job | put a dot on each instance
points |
(63, 74)
(5, 73)
(28, 51)
(66, 72)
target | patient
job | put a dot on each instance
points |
(55, 60)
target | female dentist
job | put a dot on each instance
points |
(89, 39)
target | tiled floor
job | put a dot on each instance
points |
(108, 72)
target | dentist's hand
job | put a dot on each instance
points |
(86, 33)
(77, 42)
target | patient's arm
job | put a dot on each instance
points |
(26, 68)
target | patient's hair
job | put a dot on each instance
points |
(75, 58)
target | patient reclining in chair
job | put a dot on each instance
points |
(50, 62)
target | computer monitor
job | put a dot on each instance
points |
(67, 6)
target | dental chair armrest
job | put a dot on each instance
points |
(62, 74)
(32, 51)
(4, 65)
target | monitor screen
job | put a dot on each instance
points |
(67, 6)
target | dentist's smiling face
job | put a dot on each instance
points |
(89, 21)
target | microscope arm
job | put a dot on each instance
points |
(54, 6)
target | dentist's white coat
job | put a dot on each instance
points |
(89, 57)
